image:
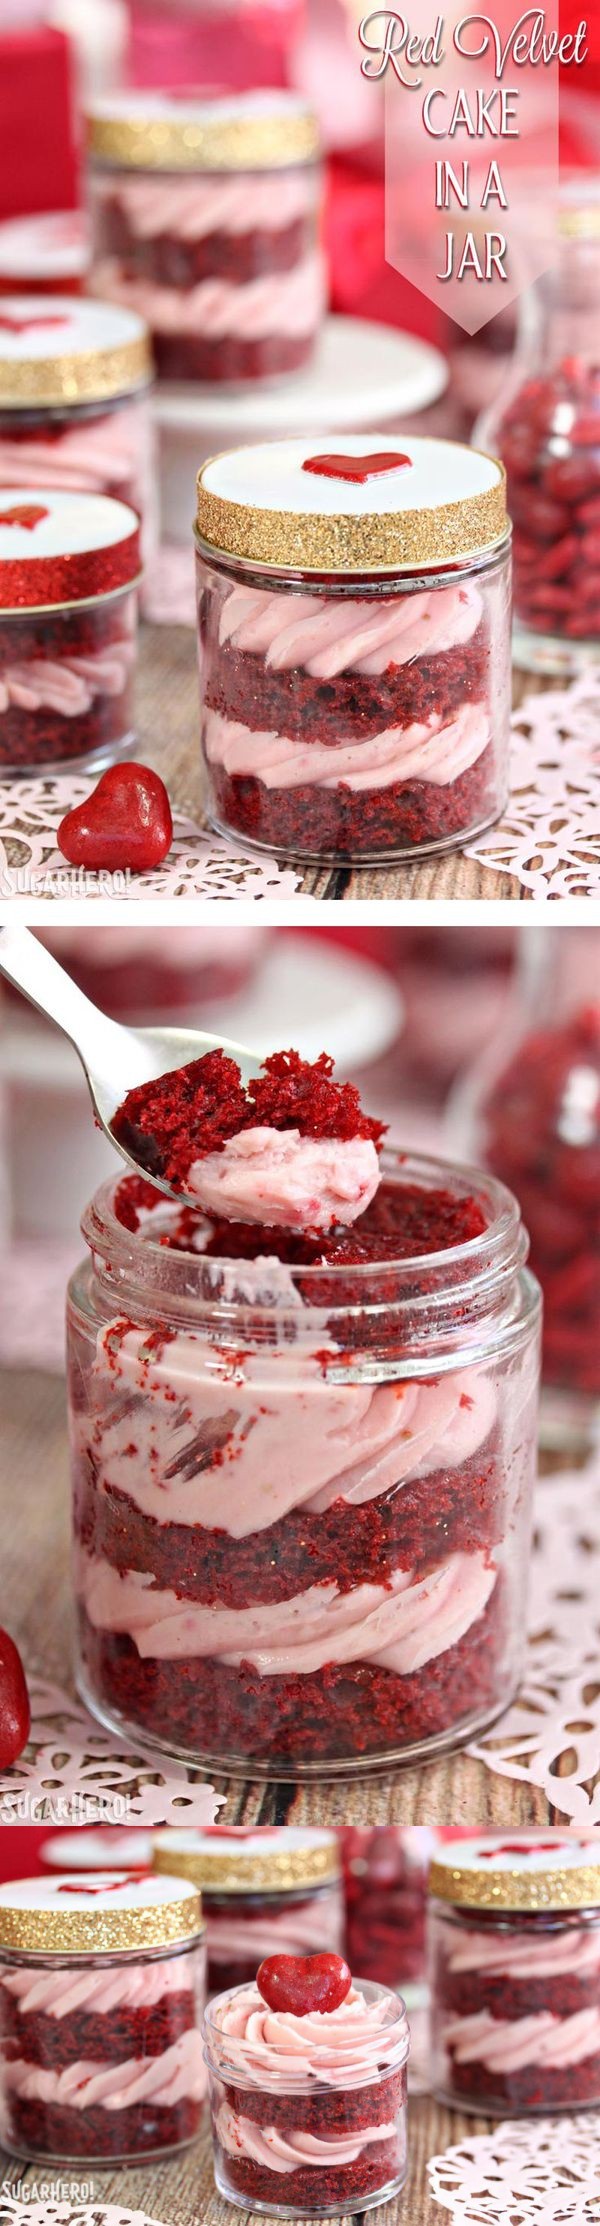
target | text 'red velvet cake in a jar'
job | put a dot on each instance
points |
(307, 2079)
(261, 1890)
(74, 400)
(354, 639)
(69, 568)
(102, 1984)
(303, 1465)
(515, 1973)
(206, 218)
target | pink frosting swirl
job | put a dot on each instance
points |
(568, 1953)
(295, 2148)
(109, 451)
(68, 686)
(191, 208)
(425, 751)
(287, 303)
(276, 2050)
(237, 1935)
(506, 2045)
(326, 636)
(285, 1179)
(60, 1994)
(178, 2075)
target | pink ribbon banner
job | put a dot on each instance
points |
(471, 134)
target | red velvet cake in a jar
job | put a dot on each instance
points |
(278, 1887)
(69, 568)
(354, 638)
(206, 219)
(74, 400)
(303, 1455)
(46, 253)
(102, 1982)
(307, 2080)
(515, 1973)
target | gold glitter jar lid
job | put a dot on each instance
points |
(276, 1861)
(527, 1872)
(99, 1913)
(248, 131)
(418, 505)
(58, 351)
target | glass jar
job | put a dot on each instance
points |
(546, 428)
(385, 1877)
(275, 1891)
(514, 1939)
(359, 1598)
(533, 1115)
(303, 2142)
(74, 401)
(43, 254)
(101, 1995)
(354, 628)
(206, 219)
(69, 570)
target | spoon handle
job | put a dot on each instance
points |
(33, 970)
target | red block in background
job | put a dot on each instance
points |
(39, 159)
(20, 1850)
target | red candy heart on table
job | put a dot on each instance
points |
(126, 822)
(15, 1712)
(304, 1984)
(357, 469)
(28, 514)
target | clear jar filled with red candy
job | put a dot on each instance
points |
(74, 400)
(302, 1482)
(102, 1986)
(385, 1880)
(514, 1961)
(207, 220)
(275, 1890)
(354, 642)
(69, 570)
(546, 428)
(536, 1123)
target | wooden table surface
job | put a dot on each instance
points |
(182, 2192)
(167, 722)
(35, 1603)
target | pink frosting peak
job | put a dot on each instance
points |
(276, 2049)
(287, 1180)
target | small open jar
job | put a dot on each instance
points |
(354, 627)
(101, 1996)
(515, 1974)
(302, 1492)
(308, 2112)
(69, 569)
(263, 1892)
(74, 400)
(206, 219)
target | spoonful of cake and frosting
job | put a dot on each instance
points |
(202, 1120)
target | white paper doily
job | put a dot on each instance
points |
(199, 863)
(550, 1738)
(17, 2211)
(549, 838)
(529, 2172)
(74, 1772)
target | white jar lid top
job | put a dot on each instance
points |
(272, 1859)
(264, 129)
(108, 1909)
(57, 547)
(52, 246)
(353, 502)
(103, 1849)
(60, 349)
(522, 1870)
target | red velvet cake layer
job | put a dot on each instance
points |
(536, 2087)
(352, 707)
(56, 2042)
(168, 259)
(229, 360)
(317, 821)
(46, 2129)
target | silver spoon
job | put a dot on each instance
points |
(114, 1059)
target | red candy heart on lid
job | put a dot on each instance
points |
(28, 514)
(15, 1712)
(126, 822)
(28, 324)
(357, 469)
(304, 1984)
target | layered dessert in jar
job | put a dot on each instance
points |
(540, 1129)
(139, 974)
(102, 1985)
(354, 642)
(303, 1419)
(206, 216)
(515, 1973)
(307, 2077)
(385, 1883)
(70, 565)
(278, 1887)
(74, 400)
(44, 254)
